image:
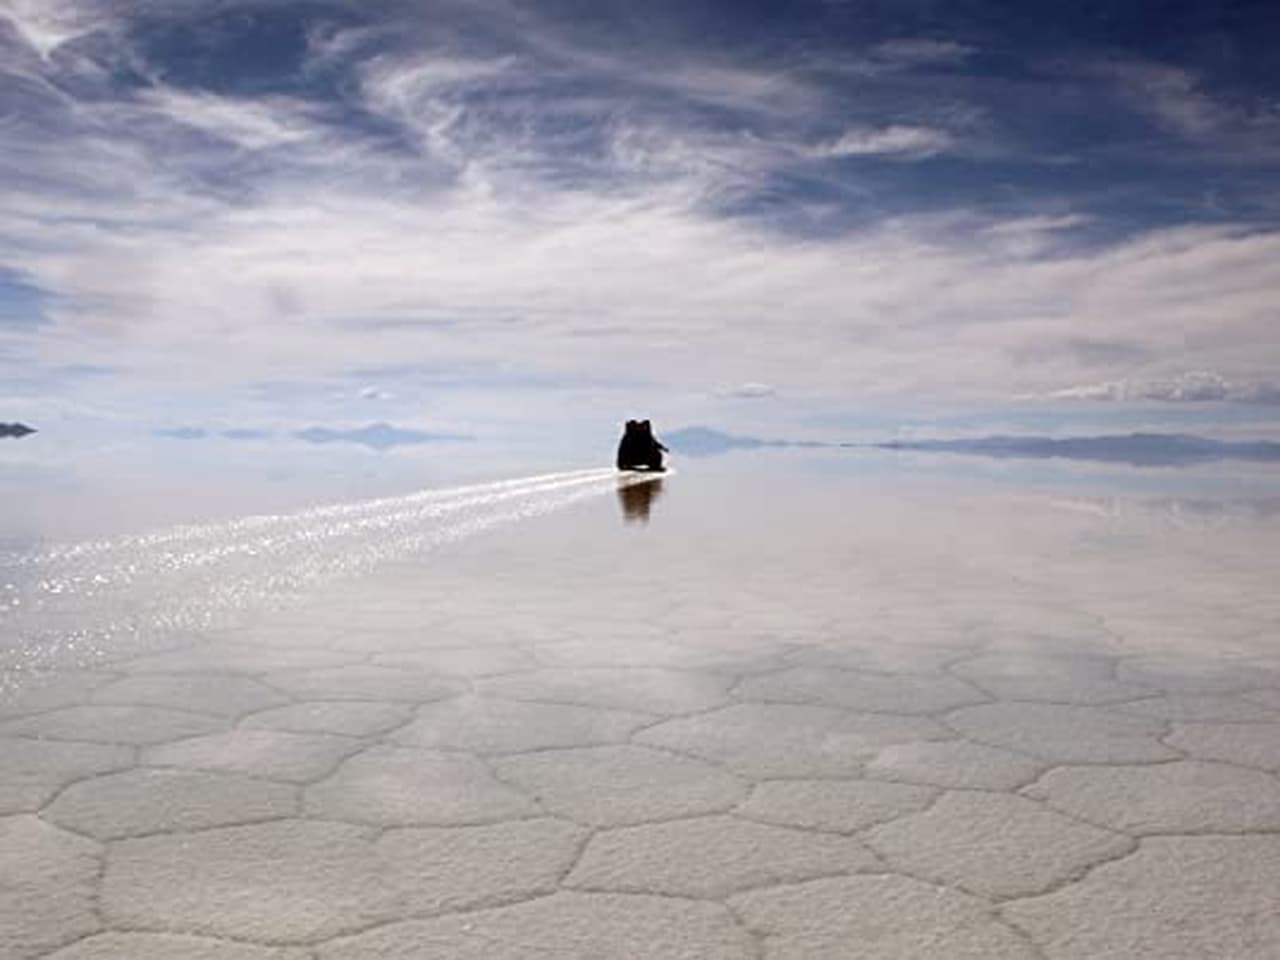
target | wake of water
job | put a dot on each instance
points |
(74, 604)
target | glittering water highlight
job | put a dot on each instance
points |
(74, 604)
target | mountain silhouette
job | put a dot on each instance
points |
(1133, 449)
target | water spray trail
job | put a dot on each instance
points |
(82, 602)
(136, 560)
(192, 533)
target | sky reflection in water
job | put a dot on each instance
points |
(256, 536)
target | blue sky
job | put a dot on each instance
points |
(479, 216)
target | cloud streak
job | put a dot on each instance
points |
(890, 141)
(1193, 387)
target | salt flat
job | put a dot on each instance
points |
(779, 722)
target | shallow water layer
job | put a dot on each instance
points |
(760, 707)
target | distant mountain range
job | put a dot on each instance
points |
(376, 436)
(1135, 449)
(1139, 449)
(15, 430)
(379, 436)
(706, 442)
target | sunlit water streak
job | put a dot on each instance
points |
(77, 603)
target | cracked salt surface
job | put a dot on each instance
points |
(495, 722)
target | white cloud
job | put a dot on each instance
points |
(475, 249)
(1022, 226)
(901, 307)
(256, 124)
(748, 391)
(46, 25)
(1172, 94)
(770, 91)
(896, 139)
(1199, 386)
(920, 51)
(1179, 100)
(411, 89)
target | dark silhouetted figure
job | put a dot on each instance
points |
(639, 449)
(15, 430)
(637, 497)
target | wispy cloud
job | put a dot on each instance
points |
(916, 51)
(748, 391)
(45, 25)
(499, 193)
(253, 124)
(896, 139)
(1243, 124)
(1201, 386)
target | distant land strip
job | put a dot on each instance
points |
(1134, 449)
(377, 436)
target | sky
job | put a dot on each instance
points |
(823, 218)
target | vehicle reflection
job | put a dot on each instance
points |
(637, 496)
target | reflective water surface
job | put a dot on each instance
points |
(781, 706)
